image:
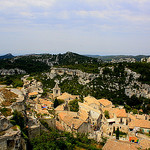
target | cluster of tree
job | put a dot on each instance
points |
(117, 57)
(14, 80)
(86, 67)
(74, 105)
(18, 119)
(142, 68)
(58, 102)
(55, 139)
(24, 63)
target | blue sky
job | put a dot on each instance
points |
(103, 27)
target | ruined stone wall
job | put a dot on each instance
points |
(3, 145)
(34, 131)
(83, 128)
(19, 106)
(51, 122)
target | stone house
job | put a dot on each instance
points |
(92, 102)
(70, 121)
(67, 97)
(95, 116)
(143, 125)
(47, 103)
(122, 145)
(118, 119)
(104, 103)
(119, 115)
(10, 136)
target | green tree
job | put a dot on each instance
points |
(74, 105)
(18, 119)
(58, 102)
(106, 114)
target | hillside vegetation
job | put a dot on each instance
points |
(112, 80)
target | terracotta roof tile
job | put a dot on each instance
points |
(43, 101)
(83, 114)
(105, 102)
(90, 100)
(120, 112)
(139, 123)
(71, 118)
(144, 143)
(120, 145)
(65, 96)
(86, 108)
(33, 93)
(132, 117)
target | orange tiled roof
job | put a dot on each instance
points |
(110, 110)
(145, 143)
(119, 112)
(70, 118)
(105, 102)
(83, 114)
(40, 110)
(139, 123)
(85, 107)
(132, 117)
(43, 101)
(33, 93)
(66, 95)
(120, 145)
(90, 100)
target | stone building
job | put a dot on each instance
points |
(67, 97)
(56, 91)
(71, 121)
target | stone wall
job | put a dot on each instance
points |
(34, 131)
(51, 122)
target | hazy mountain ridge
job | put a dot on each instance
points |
(42, 62)
(117, 57)
(7, 56)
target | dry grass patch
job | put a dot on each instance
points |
(9, 97)
(6, 111)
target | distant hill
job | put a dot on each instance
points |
(42, 62)
(67, 58)
(9, 55)
(94, 56)
(117, 57)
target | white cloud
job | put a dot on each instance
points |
(5, 4)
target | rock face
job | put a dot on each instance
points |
(130, 60)
(31, 86)
(131, 84)
(11, 71)
(145, 59)
(148, 60)
(4, 123)
(83, 77)
(134, 87)
(10, 138)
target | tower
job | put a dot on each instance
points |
(56, 91)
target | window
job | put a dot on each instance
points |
(120, 120)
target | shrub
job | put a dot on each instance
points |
(106, 114)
